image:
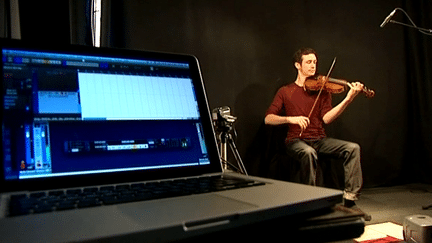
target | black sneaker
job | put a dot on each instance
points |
(366, 216)
(351, 207)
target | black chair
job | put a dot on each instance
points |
(279, 165)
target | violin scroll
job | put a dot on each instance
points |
(368, 92)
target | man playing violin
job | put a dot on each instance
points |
(306, 138)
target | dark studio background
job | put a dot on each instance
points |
(245, 49)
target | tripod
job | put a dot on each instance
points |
(223, 122)
(226, 138)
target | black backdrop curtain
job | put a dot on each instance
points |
(57, 22)
(45, 22)
(418, 47)
(245, 49)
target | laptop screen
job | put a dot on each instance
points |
(68, 113)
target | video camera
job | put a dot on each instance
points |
(222, 118)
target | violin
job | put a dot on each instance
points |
(332, 85)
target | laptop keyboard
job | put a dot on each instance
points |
(40, 202)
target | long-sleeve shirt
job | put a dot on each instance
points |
(295, 101)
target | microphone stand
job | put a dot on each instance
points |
(422, 30)
(411, 26)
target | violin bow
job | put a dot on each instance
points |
(319, 93)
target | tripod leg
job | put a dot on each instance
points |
(427, 207)
(224, 155)
(237, 156)
(223, 150)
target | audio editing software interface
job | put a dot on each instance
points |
(70, 114)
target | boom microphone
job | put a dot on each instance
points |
(386, 20)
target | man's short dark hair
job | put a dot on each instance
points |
(298, 55)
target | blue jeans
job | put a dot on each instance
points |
(307, 153)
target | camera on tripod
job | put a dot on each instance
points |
(223, 122)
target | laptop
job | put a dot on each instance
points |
(111, 144)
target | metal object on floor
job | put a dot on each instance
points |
(417, 229)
